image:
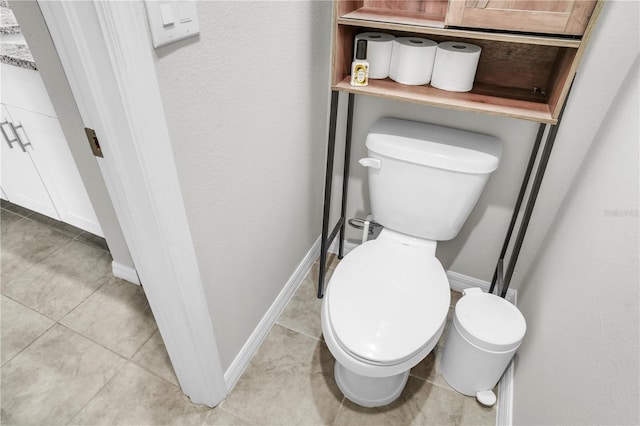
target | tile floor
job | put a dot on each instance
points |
(81, 347)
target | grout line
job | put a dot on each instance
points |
(118, 370)
(297, 331)
(93, 341)
(18, 214)
(106, 281)
(52, 227)
(137, 364)
(234, 412)
(219, 407)
(127, 358)
(30, 308)
(335, 418)
(19, 217)
(38, 262)
(37, 337)
(131, 359)
(461, 414)
(157, 330)
(442, 386)
(88, 244)
(124, 360)
(124, 357)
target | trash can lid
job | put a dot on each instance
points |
(489, 322)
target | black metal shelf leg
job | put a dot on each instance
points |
(550, 139)
(526, 217)
(345, 175)
(324, 244)
(497, 274)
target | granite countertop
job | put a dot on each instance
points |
(8, 22)
(17, 55)
(13, 48)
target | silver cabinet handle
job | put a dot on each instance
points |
(6, 137)
(16, 138)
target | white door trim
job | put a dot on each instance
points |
(106, 53)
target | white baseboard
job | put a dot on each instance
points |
(459, 282)
(504, 414)
(125, 272)
(348, 246)
(243, 358)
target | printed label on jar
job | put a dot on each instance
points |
(360, 75)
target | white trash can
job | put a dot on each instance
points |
(486, 332)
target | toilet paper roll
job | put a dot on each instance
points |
(455, 66)
(378, 52)
(412, 60)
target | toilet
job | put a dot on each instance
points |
(386, 304)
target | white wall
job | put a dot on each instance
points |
(579, 362)
(247, 106)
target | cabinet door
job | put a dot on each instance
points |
(534, 16)
(24, 89)
(20, 180)
(52, 157)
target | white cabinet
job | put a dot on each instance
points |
(27, 108)
(19, 178)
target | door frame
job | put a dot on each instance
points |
(105, 50)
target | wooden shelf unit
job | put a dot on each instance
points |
(519, 75)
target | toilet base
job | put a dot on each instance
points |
(369, 391)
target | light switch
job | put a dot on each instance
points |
(172, 20)
(166, 14)
(184, 12)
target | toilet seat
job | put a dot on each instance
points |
(387, 300)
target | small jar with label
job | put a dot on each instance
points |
(360, 67)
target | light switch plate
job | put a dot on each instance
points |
(184, 19)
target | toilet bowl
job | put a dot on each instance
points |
(386, 303)
(403, 299)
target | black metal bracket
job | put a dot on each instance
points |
(500, 280)
(326, 237)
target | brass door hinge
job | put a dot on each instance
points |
(93, 142)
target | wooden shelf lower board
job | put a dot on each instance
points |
(468, 101)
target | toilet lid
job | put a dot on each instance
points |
(387, 300)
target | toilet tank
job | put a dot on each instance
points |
(429, 177)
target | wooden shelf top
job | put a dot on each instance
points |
(415, 22)
(468, 101)
(403, 17)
